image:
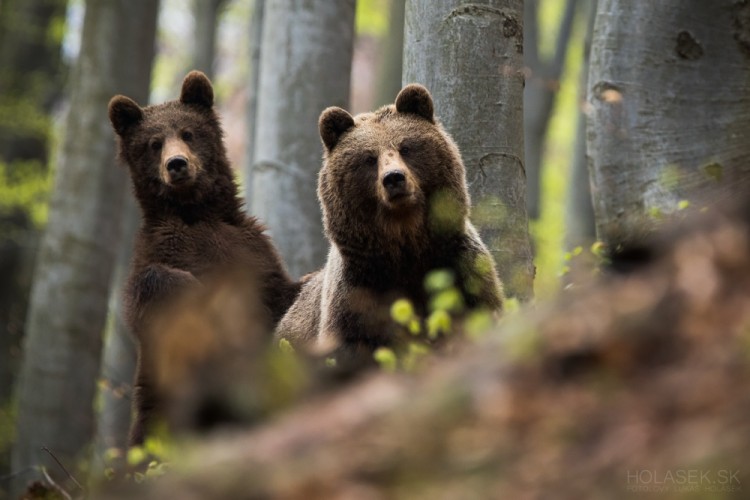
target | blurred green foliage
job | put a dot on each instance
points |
(25, 187)
(548, 231)
(372, 17)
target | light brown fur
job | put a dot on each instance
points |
(395, 207)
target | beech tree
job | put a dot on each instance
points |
(256, 38)
(206, 17)
(120, 351)
(470, 56)
(542, 84)
(306, 58)
(62, 349)
(670, 105)
(579, 212)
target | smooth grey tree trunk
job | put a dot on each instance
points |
(670, 109)
(256, 38)
(392, 57)
(580, 229)
(62, 351)
(205, 17)
(305, 67)
(540, 92)
(120, 352)
(470, 56)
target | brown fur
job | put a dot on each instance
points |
(193, 224)
(387, 235)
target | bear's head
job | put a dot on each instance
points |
(175, 150)
(391, 177)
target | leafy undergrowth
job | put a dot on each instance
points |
(637, 384)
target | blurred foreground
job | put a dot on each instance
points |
(635, 384)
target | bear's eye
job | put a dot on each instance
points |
(404, 150)
(186, 135)
(370, 160)
(155, 144)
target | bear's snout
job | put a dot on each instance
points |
(177, 168)
(394, 182)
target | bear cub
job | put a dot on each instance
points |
(395, 206)
(193, 225)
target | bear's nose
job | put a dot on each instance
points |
(177, 166)
(394, 182)
(394, 179)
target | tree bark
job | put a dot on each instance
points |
(256, 38)
(658, 70)
(305, 67)
(470, 57)
(580, 229)
(392, 57)
(62, 351)
(119, 354)
(540, 92)
(205, 17)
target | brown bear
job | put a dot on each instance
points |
(395, 206)
(193, 223)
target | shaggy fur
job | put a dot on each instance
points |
(193, 226)
(395, 206)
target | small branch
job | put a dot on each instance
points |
(53, 483)
(63, 468)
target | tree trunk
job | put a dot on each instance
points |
(119, 354)
(256, 37)
(31, 76)
(540, 91)
(205, 17)
(62, 351)
(658, 70)
(470, 57)
(580, 229)
(305, 67)
(392, 57)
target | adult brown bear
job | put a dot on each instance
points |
(395, 207)
(193, 228)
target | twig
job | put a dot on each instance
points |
(63, 468)
(54, 484)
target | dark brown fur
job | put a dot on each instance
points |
(385, 237)
(193, 225)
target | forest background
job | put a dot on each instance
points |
(44, 50)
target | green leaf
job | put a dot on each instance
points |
(438, 280)
(448, 300)
(386, 358)
(136, 455)
(402, 311)
(438, 322)
(285, 346)
(478, 322)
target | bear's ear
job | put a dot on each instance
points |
(416, 99)
(197, 90)
(332, 123)
(124, 113)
